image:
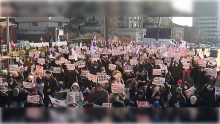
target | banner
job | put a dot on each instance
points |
(128, 68)
(157, 72)
(103, 79)
(71, 57)
(143, 104)
(27, 85)
(56, 70)
(133, 61)
(112, 67)
(33, 99)
(70, 66)
(158, 81)
(190, 91)
(57, 103)
(13, 68)
(202, 63)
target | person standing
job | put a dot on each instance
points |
(50, 87)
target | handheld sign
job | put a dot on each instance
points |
(106, 105)
(190, 91)
(56, 70)
(81, 64)
(217, 90)
(70, 66)
(102, 78)
(162, 66)
(112, 67)
(27, 85)
(158, 81)
(143, 104)
(33, 99)
(92, 77)
(117, 88)
(157, 72)
(128, 68)
(13, 68)
(40, 61)
(39, 69)
(158, 61)
(85, 73)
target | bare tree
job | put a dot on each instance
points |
(109, 27)
(194, 35)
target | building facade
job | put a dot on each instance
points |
(211, 27)
(128, 26)
(39, 26)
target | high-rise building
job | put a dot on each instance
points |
(211, 27)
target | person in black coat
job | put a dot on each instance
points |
(207, 95)
(177, 99)
(201, 79)
(141, 79)
(50, 87)
(116, 102)
(140, 96)
(193, 101)
(176, 72)
(18, 95)
(156, 101)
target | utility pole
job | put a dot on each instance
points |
(7, 32)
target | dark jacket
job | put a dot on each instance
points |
(3, 99)
(207, 97)
(51, 84)
(22, 96)
(98, 97)
(117, 103)
(174, 100)
(160, 101)
(197, 104)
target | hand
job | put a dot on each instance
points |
(48, 90)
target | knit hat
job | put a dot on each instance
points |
(210, 88)
(193, 100)
(15, 92)
(179, 82)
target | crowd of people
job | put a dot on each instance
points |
(121, 76)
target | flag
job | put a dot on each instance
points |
(12, 45)
(41, 39)
(131, 44)
(93, 45)
(182, 44)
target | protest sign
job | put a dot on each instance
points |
(27, 85)
(56, 70)
(15, 54)
(106, 105)
(84, 73)
(117, 88)
(31, 54)
(102, 78)
(33, 99)
(186, 65)
(162, 66)
(133, 61)
(196, 58)
(96, 106)
(158, 81)
(156, 71)
(128, 68)
(211, 59)
(167, 60)
(13, 68)
(217, 90)
(190, 91)
(95, 55)
(112, 67)
(92, 77)
(81, 64)
(143, 104)
(57, 103)
(158, 61)
(101, 73)
(70, 66)
(40, 61)
(71, 57)
(39, 69)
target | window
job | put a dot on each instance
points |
(34, 23)
(60, 24)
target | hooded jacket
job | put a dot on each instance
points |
(78, 94)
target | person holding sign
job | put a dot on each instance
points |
(207, 95)
(141, 79)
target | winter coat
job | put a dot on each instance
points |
(98, 98)
(22, 96)
(51, 84)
